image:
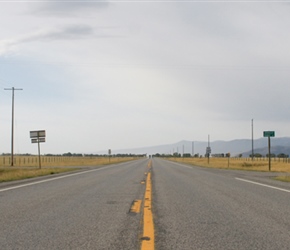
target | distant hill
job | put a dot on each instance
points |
(274, 150)
(235, 147)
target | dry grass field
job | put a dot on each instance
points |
(283, 178)
(60, 161)
(258, 164)
(28, 166)
(12, 174)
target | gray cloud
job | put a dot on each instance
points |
(67, 8)
(70, 32)
(53, 34)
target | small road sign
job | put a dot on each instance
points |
(37, 140)
(36, 134)
(208, 150)
(37, 137)
(269, 133)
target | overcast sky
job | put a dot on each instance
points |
(126, 74)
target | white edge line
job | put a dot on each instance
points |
(257, 183)
(264, 185)
(181, 164)
(52, 179)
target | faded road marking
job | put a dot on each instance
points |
(135, 208)
(264, 185)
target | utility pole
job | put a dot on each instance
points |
(208, 150)
(12, 126)
(193, 149)
(182, 150)
(252, 139)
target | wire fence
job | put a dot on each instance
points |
(56, 161)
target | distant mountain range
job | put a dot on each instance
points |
(235, 147)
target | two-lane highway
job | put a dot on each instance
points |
(197, 208)
(191, 208)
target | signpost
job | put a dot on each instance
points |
(228, 155)
(38, 137)
(109, 153)
(208, 151)
(269, 134)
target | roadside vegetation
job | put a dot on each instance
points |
(61, 161)
(258, 164)
(283, 178)
(28, 166)
(12, 174)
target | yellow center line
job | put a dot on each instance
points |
(149, 164)
(148, 224)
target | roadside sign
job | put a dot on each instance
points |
(208, 150)
(36, 140)
(269, 133)
(37, 137)
(38, 133)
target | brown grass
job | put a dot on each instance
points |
(283, 178)
(28, 166)
(19, 174)
(237, 163)
(58, 161)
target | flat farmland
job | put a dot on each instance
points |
(28, 166)
(60, 161)
(258, 164)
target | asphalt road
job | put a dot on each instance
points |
(193, 208)
(87, 210)
(198, 208)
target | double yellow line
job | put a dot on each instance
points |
(147, 238)
(148, 223)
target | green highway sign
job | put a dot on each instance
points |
(269, 133)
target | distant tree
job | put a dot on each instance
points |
(67, 154)
(282, 155)
(272, 155)
(218, 155)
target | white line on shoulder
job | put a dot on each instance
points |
(52, 179)
(264, 185)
